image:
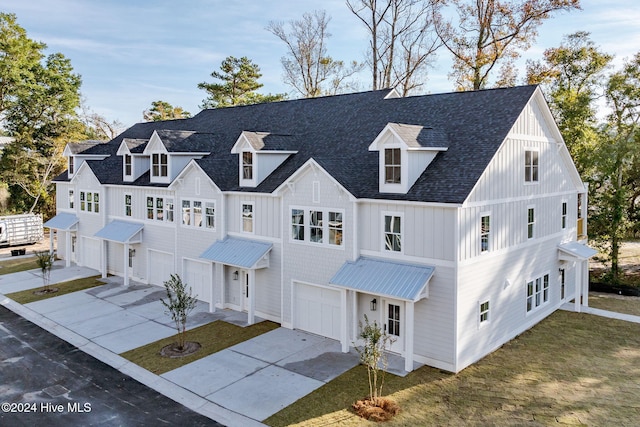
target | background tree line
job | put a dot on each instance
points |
(41, 106)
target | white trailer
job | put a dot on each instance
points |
(20, 229)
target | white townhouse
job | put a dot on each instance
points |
(456, 221)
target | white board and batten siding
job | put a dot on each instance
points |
(266, 209)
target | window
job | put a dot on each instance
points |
(197, 213)
(127, 205)
(210, 215)
(392, 165)
(335, 228)
(315, 226)
(297, 224)
(485, 229)
(562, 283)
(127, 164)
(580, 205)
(564, 215)
(393, 320)
(247, 165)
(392, 233)
(159, 164)
(531, 166)
(168, 210)
(186, 212)
(531, 220)
(484, 312)
(159, 208)
(149, 207)
(71, 199)
(89, 202)
(247, 217)
(71, 165)
(537, 292)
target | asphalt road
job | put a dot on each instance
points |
(47, 381)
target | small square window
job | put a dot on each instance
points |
(484, 312)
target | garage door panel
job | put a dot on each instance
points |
(317, 310)
(91, 253)
(198, 277)
(160, 267)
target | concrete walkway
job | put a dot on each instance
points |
(603, 313)
(241, 385)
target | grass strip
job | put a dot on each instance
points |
(17, 265)
(213, 337)
(27, 296)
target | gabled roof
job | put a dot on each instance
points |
(336, 131)
(82, 147)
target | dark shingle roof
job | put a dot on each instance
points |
(336, 132)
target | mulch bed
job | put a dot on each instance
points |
(46, 291)
(380, 409)
(173, 351)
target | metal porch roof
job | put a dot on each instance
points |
(120, 231)
(577, 250)
(242, 253)
(382, 277)
(62, 221)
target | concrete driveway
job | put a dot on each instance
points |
(255, 379)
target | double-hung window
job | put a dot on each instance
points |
(485, 232)
(564, 215)
(210, 215)
(168, 210)
(127, 205)
(531, 221)
(247, 217)
(127, 165)
(71, 165)
(335, 228)
(321, 227)
(484, 312)
(315, 226)
(393, 233)
(89, 202)
(531, 165)
(392, 166)
(71, 199)
(297, 224)
(247, 165)
(159, 164)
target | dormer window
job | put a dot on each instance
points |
(247, 165)
(71, 165)
(127, 165)
(392, 162)
(159, 164)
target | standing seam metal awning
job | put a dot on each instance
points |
(576, 250)
(62, 221)
(386, 278)
(121, 232)
(241, 253)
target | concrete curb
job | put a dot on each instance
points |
(161, 385)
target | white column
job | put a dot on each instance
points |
(344, 330)
(103, 262)
(252, 297)
(408, 337)
(126, 264)
(578, 286)
(67, 239)
(584, 265)
(52, 233)
(221, 281)
(212, 301)
(354, 320)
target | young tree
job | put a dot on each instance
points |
(402, 43)
(179, 304)
(239, 84)
(372, 355)
(45, 260)
(307, 67)
(489, 32)
(161, 110)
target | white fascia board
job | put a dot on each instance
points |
(276, 152)
(67, 151)
(377, 142)
(123, 149)
(427, 148)
(155, 145)
(80, 170)
(242, 144)
(192, 164)
(411, 202)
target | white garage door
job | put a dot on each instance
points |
(198, 275)
(317, 310)
(160, 267)
(91, 253)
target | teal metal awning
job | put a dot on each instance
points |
(243, 253)
(121, 232)
(63, 221)
(386, 278)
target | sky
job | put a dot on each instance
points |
(133, 52)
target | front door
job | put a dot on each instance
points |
(394, 324)
(73, 247)
(132, 255)
(245, 290)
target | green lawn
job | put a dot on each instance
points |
(572, 368)
(27, 296)
(16, 265)
(612, 302)
(213, 337)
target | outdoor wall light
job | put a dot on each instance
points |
(235, 275)
(374, 304)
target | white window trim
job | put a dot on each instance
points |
(155, 209)
(536, 307)
(383, 247)
(307, 226)
(125, 205)
(124, 166)
(254, 169)
(483, 323)
(253, 217)
(71, 199)
(524, 165)
(564, 217)
(401, 187)
(93, 209)
(489, 239)
(534, 231)
(160, 178)
(203, 222)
